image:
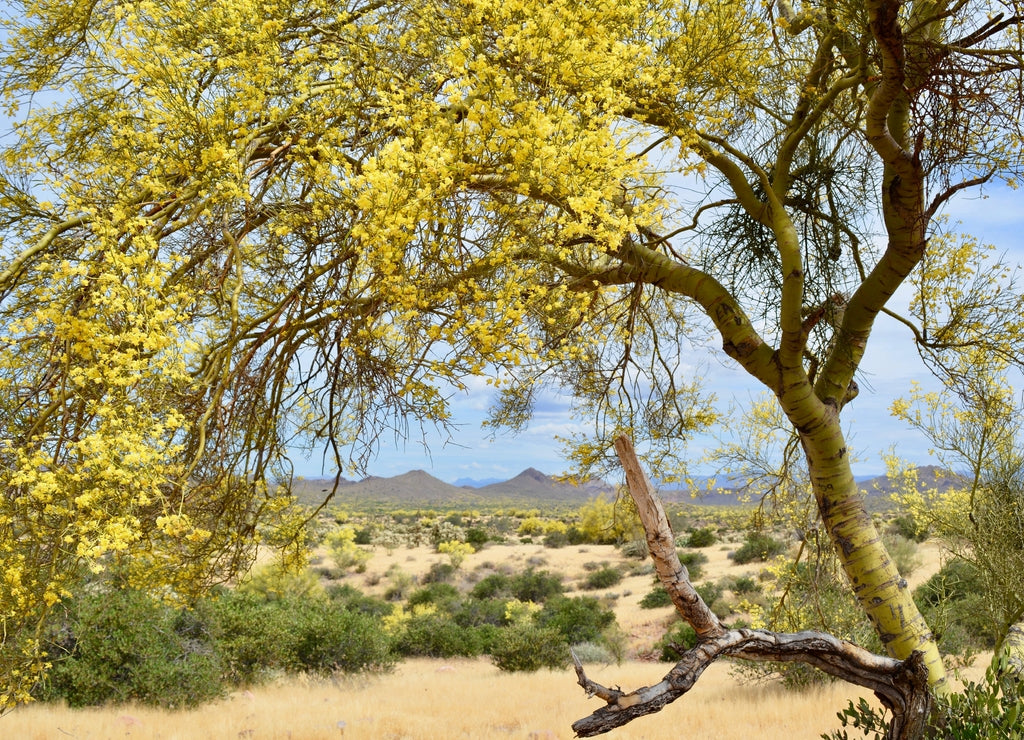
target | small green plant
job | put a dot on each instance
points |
(990, 710)
(603, 578)
(656, 599)
(528, 647)
(680, 638)
(703, 537)
(758, 546)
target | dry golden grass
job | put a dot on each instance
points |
(439, 700)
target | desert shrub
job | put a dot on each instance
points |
(436, 635)
(479, 612)
(905, 525)
(126, 646)
(745, 584)
(348, 597)
(953, 603)
(603, 578)
(491, 586)
(441, 594)
(439, 573)
(694, 562)
(328, 640)
(636, 549)
(535, 586)
(903, 552)
(457, 552)
(709, 592)
(990, 710)
(703, 537)
(529, 647)
(577, 618)
(531, 526)
(656, 599)
(555, 540)
(594, 652)
(680, 638)
(758, 546)
(477, 537)
(341, 543)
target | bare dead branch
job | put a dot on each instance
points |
(901, 685)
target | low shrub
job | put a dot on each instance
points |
(125, 646)
(535, 586)
(603, 578)
(577, 618)
(680, 638)
(703, 537)
(529, 647)
(656, 599)
(758, 546)
(435, 635)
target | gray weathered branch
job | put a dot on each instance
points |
(900, 685)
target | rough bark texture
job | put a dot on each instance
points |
(902, 685)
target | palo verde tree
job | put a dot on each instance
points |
(231, 228)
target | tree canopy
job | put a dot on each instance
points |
(232, 228)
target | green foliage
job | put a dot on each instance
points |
(437, 635)
(604, 578)
(903, 552)
(656, 599)
(758, 546)
(123, 645)
(477, 537)
(703, 537)
(680, 638)
(577, 618)
(906, 525)
(694, 562)
(990, 710)
(604, 522)
(441, 594)
(535, 586)
(953, 601)
(528, 647)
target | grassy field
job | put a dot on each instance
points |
(435, 699)
(440, 700)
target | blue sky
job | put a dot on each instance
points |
(889, 367)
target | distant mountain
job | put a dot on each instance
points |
(532, 483)
(531, 487)
(475, 482)
(419, 488)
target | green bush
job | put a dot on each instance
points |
(125, 646)
(477, 537)
(603, 578)
(694, 562)
(528, 647)
(990, 710)
(492, 586)
(329, 640)
(758, 546)
(438, 636)
(680, 638)
(535, 586)
(577, 618)
(442, 594)
(656, 599)
(555, 540)
(253, 636)
(704, 537)
(953, 603)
